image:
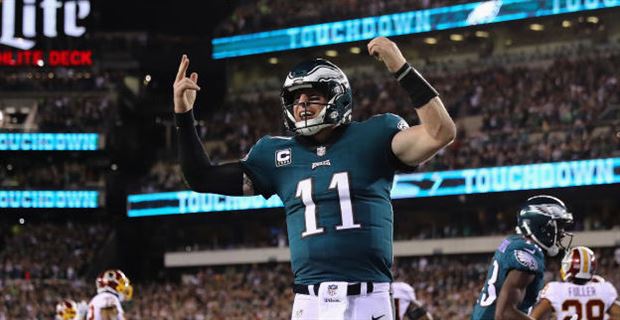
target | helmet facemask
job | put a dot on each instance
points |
(326, 78)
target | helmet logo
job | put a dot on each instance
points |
(333, 115)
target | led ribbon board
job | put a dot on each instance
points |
(416, 185)
(64, 199)
(49, 141)
(412, 22)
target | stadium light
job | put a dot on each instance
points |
(537, 27)
(273, 60)
(592, 19)
(331, 53)
(355, 50)
(430, 40)
(566, 24)
(482, 34)
(456, 37)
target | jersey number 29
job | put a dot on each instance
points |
(340, 182)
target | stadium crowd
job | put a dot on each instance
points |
(60, 99)
(48, 251)
(263, 15)
(51, 173)
(447, 285)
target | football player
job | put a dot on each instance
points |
(333, 175)
(113, 287)
(516, 273)
(68, 309)
(406, 304)
(581, 295)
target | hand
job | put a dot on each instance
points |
(184, 88)
(387, 51)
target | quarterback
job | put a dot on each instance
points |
(113, 287)
(333, 175)
(516, 273)
(581, 295)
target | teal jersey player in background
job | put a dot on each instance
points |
(516, 272)
(333, 175)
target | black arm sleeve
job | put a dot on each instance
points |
(199, 173)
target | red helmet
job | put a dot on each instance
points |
(116, 281)
(578, 263)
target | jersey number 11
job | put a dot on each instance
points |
(340, 182)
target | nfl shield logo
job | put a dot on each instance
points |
(331, 289)
(320, 151)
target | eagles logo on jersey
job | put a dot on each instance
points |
(540, 226)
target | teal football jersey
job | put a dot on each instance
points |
(336, 197)
(514, 253)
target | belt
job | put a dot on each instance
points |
(353, 289)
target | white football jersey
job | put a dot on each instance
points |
(579, 302)
(104, 300)
(403, 295)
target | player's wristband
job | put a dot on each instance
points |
(420, 91)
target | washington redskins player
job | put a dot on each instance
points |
(113, 287)
(581, 295)
(68, 309)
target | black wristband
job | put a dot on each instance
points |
(420, 91)
(185, 119)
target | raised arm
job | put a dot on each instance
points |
(436, 129)
(200, 174)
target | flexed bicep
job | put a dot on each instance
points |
(419, 143)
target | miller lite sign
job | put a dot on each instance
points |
(24, 21)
